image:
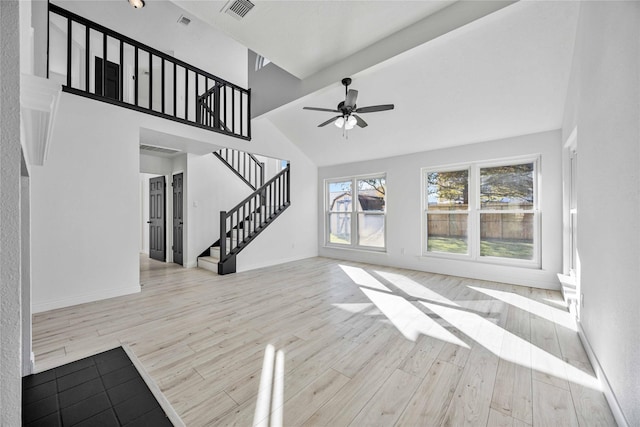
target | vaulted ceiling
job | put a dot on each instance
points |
(501, 75)
(304, 37)
(458, 72)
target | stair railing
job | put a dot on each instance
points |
(243, 223)
(245, 165)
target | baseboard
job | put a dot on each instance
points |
(616, 410)
(255, 266)
(82, 299)
(521, 276)
(155, 390)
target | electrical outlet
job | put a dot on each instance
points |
(401, 251)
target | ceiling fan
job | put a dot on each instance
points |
(347, 118)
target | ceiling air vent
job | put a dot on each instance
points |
(184, 20)
(155, 149)
(238, 8)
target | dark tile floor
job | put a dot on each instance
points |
(101, 390)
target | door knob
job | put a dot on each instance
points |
(148, 222)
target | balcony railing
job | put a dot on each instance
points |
(96, 62)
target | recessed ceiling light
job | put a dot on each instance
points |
(137, 4)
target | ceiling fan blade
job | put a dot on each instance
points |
(320, 109)
(360, 122)
(375, 108)
(352, 96)
(328, 121)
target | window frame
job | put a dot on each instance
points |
(354, 213)
(475, 211)
(425, 211)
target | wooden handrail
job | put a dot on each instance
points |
(276, 191)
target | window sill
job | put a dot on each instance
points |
(531, 265)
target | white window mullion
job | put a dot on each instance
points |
(355, 236)
(474, 215)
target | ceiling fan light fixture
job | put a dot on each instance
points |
(137, 4)
(339, 122)
(351, 122)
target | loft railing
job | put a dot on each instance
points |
(245, 165)
(141, 78)
(249, 218)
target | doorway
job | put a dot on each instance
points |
(177, 218)
(109, 87)
(157, 196)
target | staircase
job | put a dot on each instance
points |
(245, 165)
(243, 223)
(210, 258)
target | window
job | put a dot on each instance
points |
(356, 212)
(506, 214)
(483, 212)
(448, 211)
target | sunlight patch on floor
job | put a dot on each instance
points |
(362, 278)
(270, 399)
(366, 308)
(408, 319)
(560, 317)
(413, 288)
(510, 347)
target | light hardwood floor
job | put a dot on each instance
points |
(363, 345)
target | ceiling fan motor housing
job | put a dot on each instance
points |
(346, 110)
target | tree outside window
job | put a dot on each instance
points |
(497, 202)
(447, 211)
(507, 211)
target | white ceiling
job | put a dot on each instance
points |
(503, 75)
(304, 37)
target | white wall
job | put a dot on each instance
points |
(85, 207)
(404, 211)
(604, 106)
(292, 235)
(10, 216)
(212, 188)
(25, 243)
(155, 165)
